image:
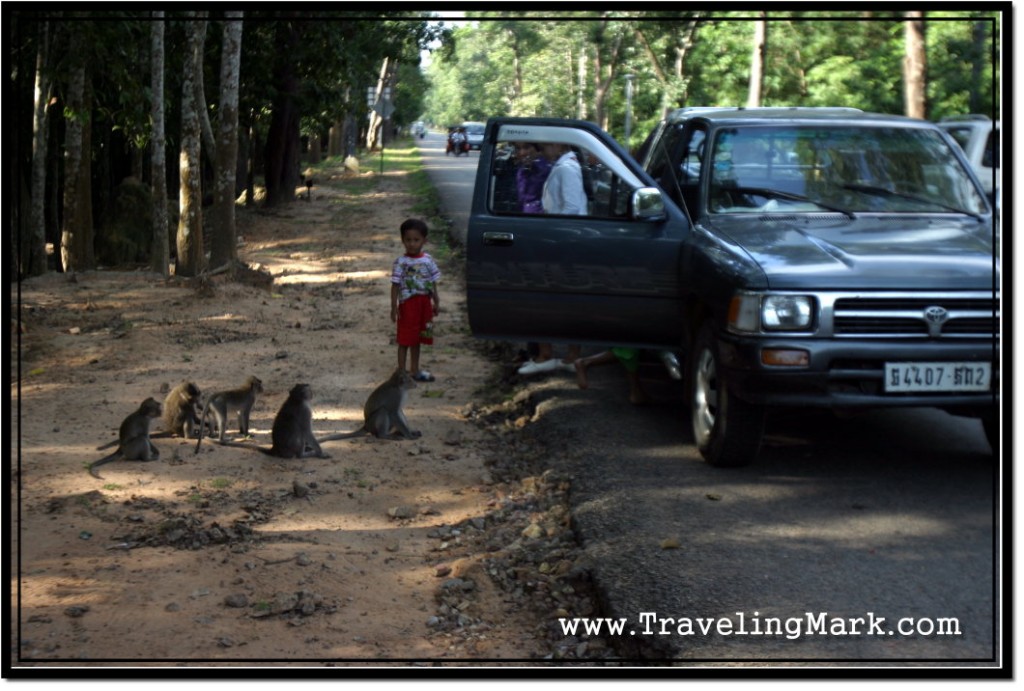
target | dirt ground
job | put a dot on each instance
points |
(389, 552)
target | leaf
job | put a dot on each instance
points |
(435, 393)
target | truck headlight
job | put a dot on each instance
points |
(787, 312)
(756, 313)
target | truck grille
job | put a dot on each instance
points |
(900, 316)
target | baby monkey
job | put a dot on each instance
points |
(382, 414)
(133, 437)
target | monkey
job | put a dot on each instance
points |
(292, 433)
(133, 437)
(180, 417)
(382, 412)
(223, 403)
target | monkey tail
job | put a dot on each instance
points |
(202, 424)
(261, 449)
(103, 461)
(344, 435)
(108, 445)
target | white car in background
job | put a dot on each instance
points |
(474, 134)
(978, 136)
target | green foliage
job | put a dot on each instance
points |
(694, 58)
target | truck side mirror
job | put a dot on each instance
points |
(648, 204)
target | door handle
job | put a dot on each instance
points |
(495, 238)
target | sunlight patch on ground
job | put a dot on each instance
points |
(308, 278)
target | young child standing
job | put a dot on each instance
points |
(414, 298)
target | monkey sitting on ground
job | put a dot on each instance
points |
(180, 417)
(223, 403)
(133, 438)
(292, 433)
(382, 413)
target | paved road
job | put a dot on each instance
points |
(890, 513)
(846, 526)
(452, 177)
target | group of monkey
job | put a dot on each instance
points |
(292, 431)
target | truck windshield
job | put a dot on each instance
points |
(849, 168)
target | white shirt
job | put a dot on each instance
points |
(563, 190)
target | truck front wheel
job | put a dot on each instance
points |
(726, 430)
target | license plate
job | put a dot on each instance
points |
(903, 377)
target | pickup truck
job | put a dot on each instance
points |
(800, 257)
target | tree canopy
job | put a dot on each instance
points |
(303, 77)
(523, 63)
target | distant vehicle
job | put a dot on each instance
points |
(978, 136)
(457, 143)
(475, 134)
(419, 129)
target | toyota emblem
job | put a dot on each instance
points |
(935, 316)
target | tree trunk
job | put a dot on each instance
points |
(335, 139)
(979, 35)
(915, 67)
(757, 57)
(374, 135)
(33, 256)
(222, 248)
(159, 255)
(283, 140)
(190, 223)
(76, 231)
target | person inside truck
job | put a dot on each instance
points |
(531, 174)
(563, 190)
(563, 193)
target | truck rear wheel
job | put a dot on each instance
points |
(726, 430)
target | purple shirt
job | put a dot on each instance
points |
(530, 185)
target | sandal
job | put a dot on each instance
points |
(423, 375)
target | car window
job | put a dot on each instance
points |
(881, 169)
(522, 165)
(962, 135)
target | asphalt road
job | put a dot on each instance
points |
(452, 177)
(869, 540)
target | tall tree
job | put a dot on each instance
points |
(190, 260)
(283, 141)
(757, 60)
(608, 42)
(915, 66)
(76, 242)
(34, 264)
(222, 246)
(159, 256)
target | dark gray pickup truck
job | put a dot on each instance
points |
(788, 256)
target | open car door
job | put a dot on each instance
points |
(610, 276)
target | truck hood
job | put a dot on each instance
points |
(874, 252)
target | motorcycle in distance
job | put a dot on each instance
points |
(458, 143)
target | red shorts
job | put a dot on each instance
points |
(415, 321)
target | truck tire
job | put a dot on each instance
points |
(726, 430)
